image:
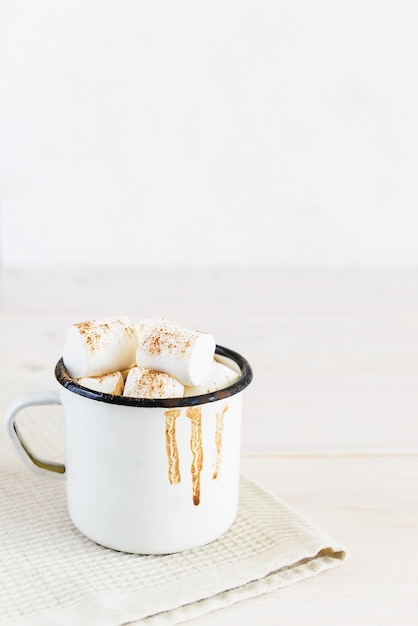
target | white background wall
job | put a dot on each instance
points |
(261, 133)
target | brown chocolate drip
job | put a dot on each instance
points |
(219, 429)
(195, 416)
(171, 445)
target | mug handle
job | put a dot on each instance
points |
(35, 398)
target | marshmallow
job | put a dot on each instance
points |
(142, 382)
(110, 383)
(168, 347)
(220, 376)
(100, 347)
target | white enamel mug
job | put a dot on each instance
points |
(146, 476)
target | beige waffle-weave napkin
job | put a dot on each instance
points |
(51, 575)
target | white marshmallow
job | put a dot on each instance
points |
(220, 376)
(168, 347)
(100, 347)
(142, 382)
(109, 383)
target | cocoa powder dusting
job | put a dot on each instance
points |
(129, 330)
(195, 416)
(96, 334)
(151, 384)
(218, 440)
(152, 379)
(165, 338)
(171, 445)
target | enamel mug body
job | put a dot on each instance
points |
(146, 476)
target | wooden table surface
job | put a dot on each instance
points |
(330, 420)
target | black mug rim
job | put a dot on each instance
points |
(246, 377)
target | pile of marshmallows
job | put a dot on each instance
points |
(154, 358)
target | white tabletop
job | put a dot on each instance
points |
(330, 419)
